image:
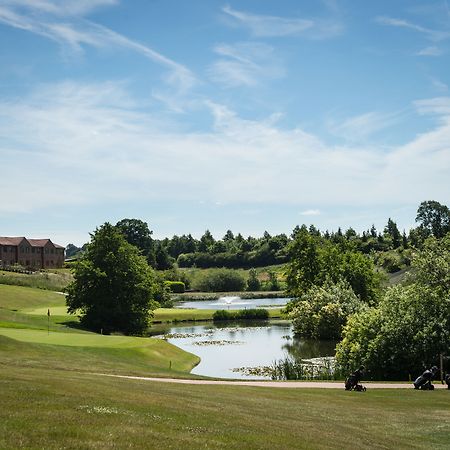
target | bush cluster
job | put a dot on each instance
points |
(241, 314)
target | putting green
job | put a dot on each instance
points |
(76, 339)
(54, 311)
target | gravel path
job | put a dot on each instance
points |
(274, 384)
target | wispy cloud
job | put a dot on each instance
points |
(438, 84)
(245, 64)
(96, 144)
(430, 51)
(60, 8)
(62, 23)
(436, 106)
(359, 128)
(275, 26)
(434, 35)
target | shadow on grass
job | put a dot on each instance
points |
(73, 324)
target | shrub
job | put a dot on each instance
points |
(221, 280)
(322, 311)
(241, 314)
(176, 287)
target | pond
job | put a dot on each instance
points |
(226, 349)
(234, 303)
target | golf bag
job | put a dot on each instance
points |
(351, 384)
(424, 381)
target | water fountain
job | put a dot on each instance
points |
(228, 300)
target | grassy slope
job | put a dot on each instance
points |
(50, 409)
(68, 347)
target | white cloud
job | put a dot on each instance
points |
(434, 35)
(91, 146)
(245, 64)
(437, 106)
(274, 26)
(310, 212)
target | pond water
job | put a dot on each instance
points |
(234, 303)
(223, 348)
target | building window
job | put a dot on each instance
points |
(33, 250)
(22, 250)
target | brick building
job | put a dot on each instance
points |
(31, 253)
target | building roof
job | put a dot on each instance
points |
(11, 240)
(15, 241)
(39, 242)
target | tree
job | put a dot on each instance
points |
(137, 233)
(206, 241)
(411, 325)
(114, 288)
(434, 218)
(253, 283)
(322, 312)
(391, 230)
(313, 259)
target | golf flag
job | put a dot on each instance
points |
(48, 312)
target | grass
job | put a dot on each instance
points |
(47, 408)
(52, 399)
(55, 280)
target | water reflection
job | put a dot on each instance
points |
(230, 345)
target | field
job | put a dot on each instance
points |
(48, 408)
(54, 396)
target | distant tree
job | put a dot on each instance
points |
(72, 250)
(392, 231)
(253, 283)
(221, 280)
(163, 261)
(273, 283)
(206, 241)
(405, 242)
(434, 218)
(114, 289)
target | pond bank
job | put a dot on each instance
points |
(175, 315)
(200, 296)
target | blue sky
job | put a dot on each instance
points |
(197, 115)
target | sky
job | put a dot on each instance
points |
(204, 114)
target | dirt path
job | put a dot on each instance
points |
(273, 384)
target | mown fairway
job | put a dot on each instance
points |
(44, 408)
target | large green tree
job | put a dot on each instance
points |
(138, 233)
(411, 325)
(434, 218)
(314, 259)
(114, 288)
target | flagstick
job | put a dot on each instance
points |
(48, 322)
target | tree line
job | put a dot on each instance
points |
(236, 251)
